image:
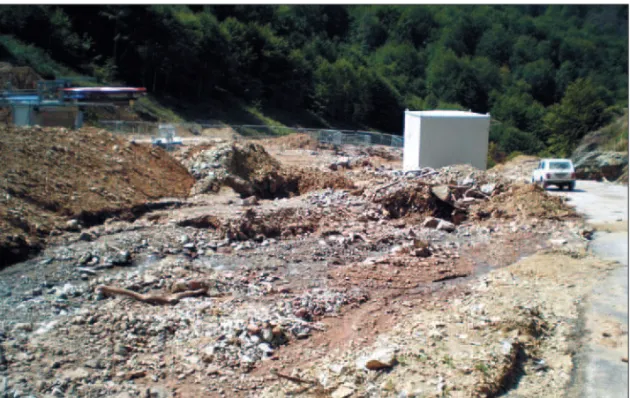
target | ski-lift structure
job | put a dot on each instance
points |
(58, 103)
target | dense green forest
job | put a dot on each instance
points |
(547, 74)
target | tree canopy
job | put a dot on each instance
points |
(547, 74)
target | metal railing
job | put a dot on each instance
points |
(138, 129)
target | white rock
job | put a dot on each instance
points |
(342, 392)
(446, 226)
(558, 242)
(337, 368)
(379, 359)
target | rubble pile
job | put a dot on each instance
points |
(429, 195)
(293, 141)
(259, 227)
(404, 197)
(250, 170)
(115, 339)
(384, 152)
(233, 164)
(517, 170)
(224, 294)
(525, 202)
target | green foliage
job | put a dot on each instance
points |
(153, 110)
(580, 111)
(21, 53)
(516, 107)
(511, 139)
(540, 76)
(352, 65)
(483, 368)
(104, 73)
(495, 155)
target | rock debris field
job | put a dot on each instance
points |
(277, 268)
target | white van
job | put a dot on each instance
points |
(558, 172)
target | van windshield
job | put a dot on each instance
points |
(559, 165)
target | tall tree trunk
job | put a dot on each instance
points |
(115, 40)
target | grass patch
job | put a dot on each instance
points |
(150, 108)
(448, 361)
(616, 134)
(267, 121)
(23, 54)
(483, 368)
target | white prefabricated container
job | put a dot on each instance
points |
(442, 138)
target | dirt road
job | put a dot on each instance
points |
(600, 372)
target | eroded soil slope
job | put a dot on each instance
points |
(50, 175)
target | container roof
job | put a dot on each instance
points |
(448, 114)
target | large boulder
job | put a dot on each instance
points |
(595, 165)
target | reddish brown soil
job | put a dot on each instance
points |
(51, 174)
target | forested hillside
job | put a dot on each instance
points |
(547, 74)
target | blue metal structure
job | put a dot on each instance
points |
(55, 95)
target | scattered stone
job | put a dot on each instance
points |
(24, 327)
(72, 225)
(158, 392)
(558, 242)
(442, 192)
(250, 201)
(120, 349)
(301, 312)
(253, 329)
(77, 374)
(122, 258)
(85, 258)
(431, 222)
(277, 331)
(95, 363)
(446, 226)
(86, 237)
(337, 368)
(488, 189)
(380, 359)
(342, 392)
(468, 181)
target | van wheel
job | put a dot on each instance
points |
(572, 186)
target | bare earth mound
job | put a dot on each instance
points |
(52, 174)
(251, 171)
(518, 169)
(525, 202)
